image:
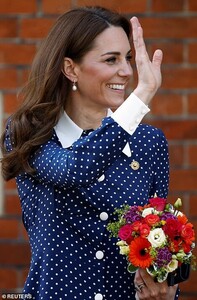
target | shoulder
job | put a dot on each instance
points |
(148, 137)
(149, 131)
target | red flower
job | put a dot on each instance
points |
(152, 219)
(186, 248)
(139, 253)
(187, 233)
(176, 245)
(172, 228)
(125, 233)
(158, 203)
(144, 230)
(136, 226)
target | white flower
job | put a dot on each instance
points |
(124, 248)
(148, 211)
(173, 265)
(157, 237)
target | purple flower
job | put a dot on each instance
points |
(163, 257)
(168, 215)
(132, 215)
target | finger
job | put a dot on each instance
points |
(138, 40)
(149, 282)
(157, 57)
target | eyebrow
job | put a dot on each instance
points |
(115, 53)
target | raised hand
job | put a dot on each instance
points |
(149, 72)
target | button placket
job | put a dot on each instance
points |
(99, 254)
(98, 296)
(104, 216)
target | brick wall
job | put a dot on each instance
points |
(170, 25)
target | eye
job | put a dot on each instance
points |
(129, 57)
(111, 60)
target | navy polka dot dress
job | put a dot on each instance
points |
(68, 203)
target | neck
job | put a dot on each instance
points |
(86, 117)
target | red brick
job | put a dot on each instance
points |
(12, 205)
(192, 5)
(179, 78)
(24, 274)
(169, 27)
(176, 155)
(177, 129)
(9, 228)
(186, 296)
(174, 56)
(126, 6)
(57, 7)
(10, 185)
(8, 278)
(17, 6)
(35, 28)
(183, 180)
(192, 155)
(192, 53)
(167, 104)
(15, 254)
(16, 54)
(24, 76)
(193, 206)
(8, 28)
(163, 5)
(11, 103)
(192, 104)
(23, 232)
(8, 78)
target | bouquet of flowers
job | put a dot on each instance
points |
(156, 237)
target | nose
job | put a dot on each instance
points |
(125, 69)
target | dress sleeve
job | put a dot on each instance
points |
(130, 113)
(85, 161)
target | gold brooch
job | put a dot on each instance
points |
(135, 165)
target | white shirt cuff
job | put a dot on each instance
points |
(130, 113)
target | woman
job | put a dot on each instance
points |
(75, 160)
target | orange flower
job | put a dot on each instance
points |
(182, 219)
(139, 255)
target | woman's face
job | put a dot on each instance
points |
(105, 71)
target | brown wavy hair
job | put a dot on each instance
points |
(46, 91)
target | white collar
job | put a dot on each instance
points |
(67, 131)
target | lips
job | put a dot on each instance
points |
(116, 86)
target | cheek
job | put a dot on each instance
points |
(97, 74)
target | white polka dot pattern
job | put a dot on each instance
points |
(66, 208)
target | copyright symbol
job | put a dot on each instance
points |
(4, 296)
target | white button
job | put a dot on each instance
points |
(98, 297)
(103, 216)
(101, 178)
(99, 254)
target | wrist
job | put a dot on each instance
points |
(144, 95)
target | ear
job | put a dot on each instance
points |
(69, 69)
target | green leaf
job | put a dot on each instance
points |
(131, 268)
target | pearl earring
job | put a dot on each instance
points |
(74, 87)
